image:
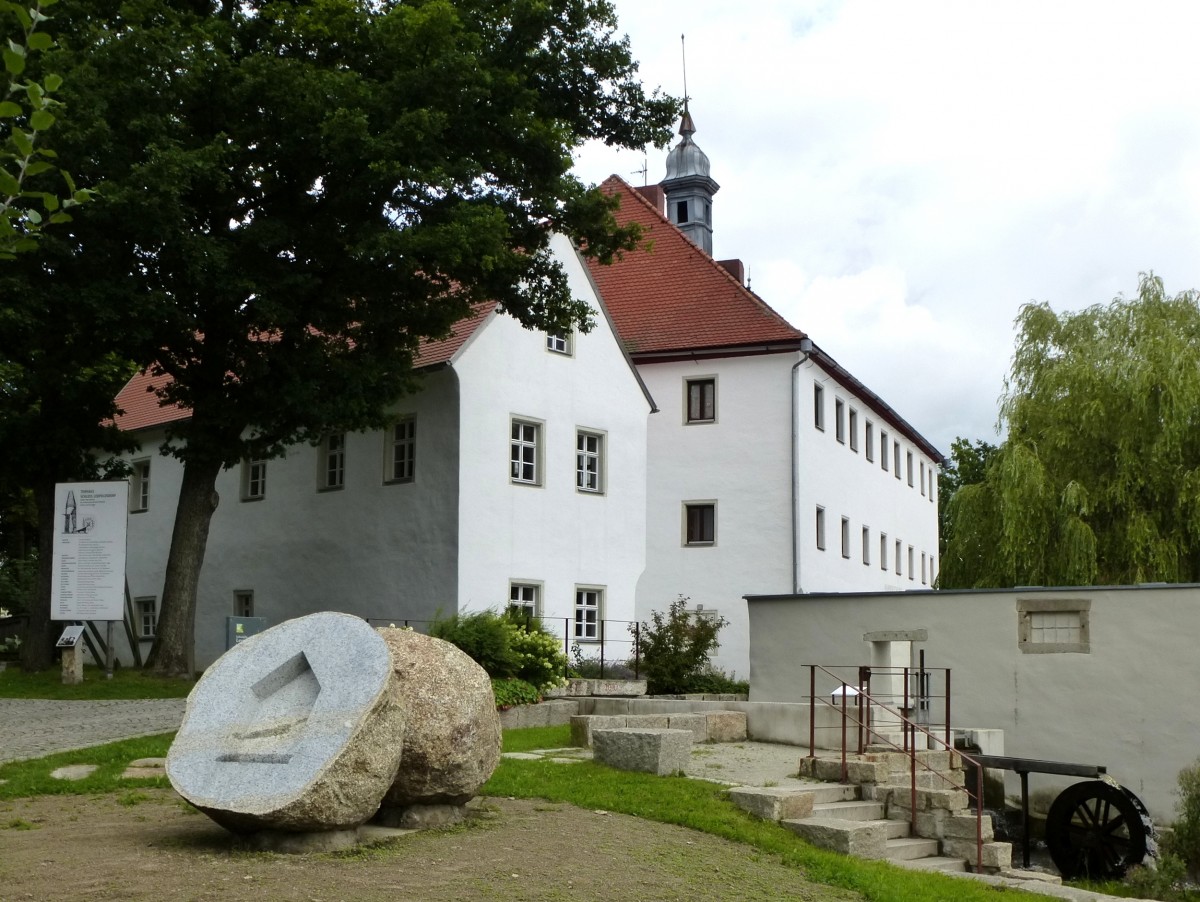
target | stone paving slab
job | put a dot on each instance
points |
(31, 728)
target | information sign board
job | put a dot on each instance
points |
(88, 566)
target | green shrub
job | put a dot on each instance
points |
(675, 647)
(592, 668)
(1162, 882)
(540, 659)
(510, 692)
(485, 636)
(1184, 840)
(717, 682)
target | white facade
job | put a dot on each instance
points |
(459, 532)
(765, 538)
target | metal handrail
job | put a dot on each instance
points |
(909, 728)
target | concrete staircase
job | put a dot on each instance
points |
(870, 816)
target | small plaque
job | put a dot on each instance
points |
(70, 637)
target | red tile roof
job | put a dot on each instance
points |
(673, 296)
(141, 408)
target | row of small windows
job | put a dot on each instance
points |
(146, 610)
(846, 431)
(525, 461)
(525, 598)
(897, 548)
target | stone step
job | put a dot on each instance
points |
(824, 793)
(850, 811)
(897, 829)
(863, 839)
(909, 848)
(934, 863)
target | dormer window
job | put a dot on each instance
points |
(681, 211)
(559, 344)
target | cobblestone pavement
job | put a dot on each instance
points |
(30, 728)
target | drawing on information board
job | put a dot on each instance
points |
(71, 524)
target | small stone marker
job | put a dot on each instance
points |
(297, 729)
(74, 771)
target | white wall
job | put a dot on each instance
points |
(376, 550)
(1127, 704)
(552, 534)
(741, 461)
(846, 483)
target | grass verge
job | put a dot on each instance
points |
(32, 777)
(702, 806)
(127, 682)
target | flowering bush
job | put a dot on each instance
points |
(540, 656)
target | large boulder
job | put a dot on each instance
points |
(451, 729)
(297, 729)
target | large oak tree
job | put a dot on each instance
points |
(296, 192)
(1098, 481)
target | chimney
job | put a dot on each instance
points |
(656, 196)
(735, 269)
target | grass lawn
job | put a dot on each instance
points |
(127, 682)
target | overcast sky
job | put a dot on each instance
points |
(900, 178)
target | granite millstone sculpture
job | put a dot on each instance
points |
(297, 729)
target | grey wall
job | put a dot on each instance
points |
(1131, 703)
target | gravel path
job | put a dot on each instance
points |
(30, 728)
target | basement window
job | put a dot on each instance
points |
(1054, 626)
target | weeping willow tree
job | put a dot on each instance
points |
(1098, 481)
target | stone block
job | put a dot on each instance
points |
(866, 772)
(648, 721)
(297, 729)
(726, 726)
(696, 723)
(773, 803)
(584, 725)
(661, 752)
(559, 713)
(863, 839)
(618, 688)
(963, 826)
(996, 855)
(931, 799)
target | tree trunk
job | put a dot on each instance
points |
(174, 651)
(37, 648)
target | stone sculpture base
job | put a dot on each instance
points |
(420, 817)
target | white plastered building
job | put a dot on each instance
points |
(516, 474)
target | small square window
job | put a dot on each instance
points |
(818, 406)
(701, 400)
(559, 344)
(700, 523)
(333, 461)
(525, 453)
(681, 212)
(853, 430)
(139, 490)
(589, 462)
(588, 613)
(243, 603)
(254, 480)
(866, 546)
(402, 456)
(869, 441)
(820, 527)
(839, 420)
(845, 537)
(524, 599)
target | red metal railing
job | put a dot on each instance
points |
(862, 714)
